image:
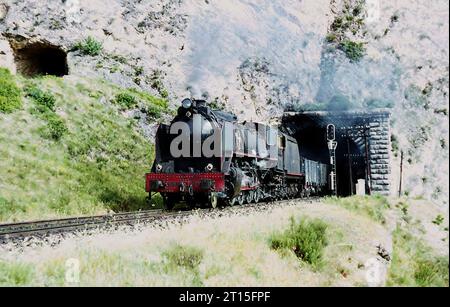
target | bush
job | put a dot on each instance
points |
(125, 100)
(56, 126)
(438, 220)
(307, 239)
(10, 94)
(45, 101)
(45, 104)
(183, 256)
(353, 50)
(89, 46)
(153, 112)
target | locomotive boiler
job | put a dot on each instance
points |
(206, 158)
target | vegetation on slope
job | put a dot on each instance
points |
(10, 95)
(373, 207)
(415, 265)
(70, 151)
(306, 239)
(314, 245)
(89, 46)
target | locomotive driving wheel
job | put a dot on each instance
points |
(213, 200)
(169, 202)
(249, 197)
(234, 201)
(240, 199)
(256, 197)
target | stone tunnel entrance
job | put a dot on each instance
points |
(40, 58)
(363, 146)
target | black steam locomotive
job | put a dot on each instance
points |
(207, 158)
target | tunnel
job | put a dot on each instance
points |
(40, 58)
(362, 151)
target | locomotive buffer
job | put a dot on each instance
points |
(332, 144)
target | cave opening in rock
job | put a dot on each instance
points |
(362, 161)
(41, 59)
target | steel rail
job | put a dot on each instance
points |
(44, 228)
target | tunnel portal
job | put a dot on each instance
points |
(363, 146)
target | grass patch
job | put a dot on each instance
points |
(354, 51)
(45, 107)
(153, 106)
(45, 101)
(10, 94)
(306, 239)
(15, 274)
(183, 256)
(89, 46)
(125, 100)
(414, 264)
(373, 207)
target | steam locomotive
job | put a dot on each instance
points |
(206, 158)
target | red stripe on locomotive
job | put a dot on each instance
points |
(171, 182)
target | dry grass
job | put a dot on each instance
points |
(228, 251)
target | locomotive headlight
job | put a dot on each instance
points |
(159, 167)
(187, 103)
(209, 167)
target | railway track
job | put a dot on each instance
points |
(45, 228)
(17, 232)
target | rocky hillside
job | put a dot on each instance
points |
(258, 58)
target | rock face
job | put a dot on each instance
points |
(259, 56)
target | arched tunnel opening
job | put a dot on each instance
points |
(357, 136)
(40, 58)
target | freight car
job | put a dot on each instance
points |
(206, 158)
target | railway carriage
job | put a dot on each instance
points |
(206, 158)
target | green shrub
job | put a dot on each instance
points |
(164, 93)
(183, 256)
(45, 104)
(89, 46)
(353, 50)
(10, 94)
(306, 239)
(153, 112)
(125, 100)
(56, 126)
(45, 101)
(438, 220)
(131, 98)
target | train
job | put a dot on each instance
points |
(206, 158)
